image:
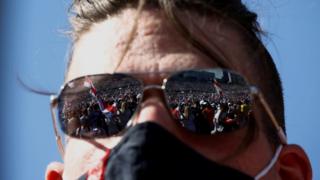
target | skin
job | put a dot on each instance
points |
(157, 47)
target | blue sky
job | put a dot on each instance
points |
(36, 49)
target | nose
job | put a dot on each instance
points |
(154, 109)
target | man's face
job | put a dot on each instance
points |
(157, 47)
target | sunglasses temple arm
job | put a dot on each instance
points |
(58, 137)
(264, 103)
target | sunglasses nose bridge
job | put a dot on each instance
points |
(154, 92)
(154, 107)
(148, 87)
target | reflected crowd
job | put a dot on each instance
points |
(101, 114)
(198, 107)
(206, 111)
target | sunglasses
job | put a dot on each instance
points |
(204, 101)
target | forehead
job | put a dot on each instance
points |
(156, 46)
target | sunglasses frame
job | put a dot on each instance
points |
(253, 90)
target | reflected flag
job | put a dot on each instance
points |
(217, 87)
(93, 91)
(89, 84)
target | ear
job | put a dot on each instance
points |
(54, 171)
(293, 163)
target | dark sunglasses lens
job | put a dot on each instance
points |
(209, 101)
(99, 105)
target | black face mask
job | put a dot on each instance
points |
(148, 151)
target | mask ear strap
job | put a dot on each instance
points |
(270, 165)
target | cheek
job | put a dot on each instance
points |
(80, 156)
(255, 157)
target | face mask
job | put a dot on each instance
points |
(148, 151)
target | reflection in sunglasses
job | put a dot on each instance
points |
(203, 101)
(209, 102)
